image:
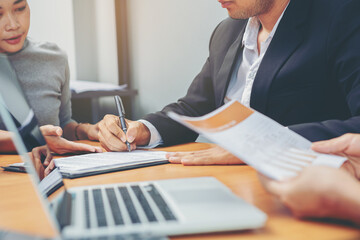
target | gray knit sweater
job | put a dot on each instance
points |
(43, 71)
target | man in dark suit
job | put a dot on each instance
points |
(296, 61)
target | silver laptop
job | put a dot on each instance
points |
(152, 208)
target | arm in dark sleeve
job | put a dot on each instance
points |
(344, 64)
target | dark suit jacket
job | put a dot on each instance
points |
(309, 78)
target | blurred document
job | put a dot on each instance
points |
(79, 86)
(259, 141)
(51, 182)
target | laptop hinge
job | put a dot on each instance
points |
(63, 212)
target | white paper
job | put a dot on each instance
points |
(259, 141)
(80, 86)
(98, 161)
(50, 181)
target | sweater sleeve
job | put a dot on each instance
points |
(65, 107)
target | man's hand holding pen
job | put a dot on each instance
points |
(113, 138)
(121, 112)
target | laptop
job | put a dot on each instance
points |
(150, 209)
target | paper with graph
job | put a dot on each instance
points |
(259, 141)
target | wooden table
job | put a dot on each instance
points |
(20, 209)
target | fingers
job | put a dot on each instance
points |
(332, 146)
(138, 133)
(110, 125)
(38, 165)
(98, 150)
(49, 168)
(74, 147)
(187, 158)
(212, 156)
(276, 187)
(190, 158)
(50, 130)
(40, 171)
(131, 133)
(113, 144)
(61, 145)
(111, 136)
(48, 157)
(348, 144)
(173, 158)
(36, 154)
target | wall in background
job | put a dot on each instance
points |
(95, 40)
(52, 21)
(168, 46)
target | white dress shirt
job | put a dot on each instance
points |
(240, 85)
(242, 80)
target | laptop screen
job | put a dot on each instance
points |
(17, 117)
(17, 113)
(18, 107)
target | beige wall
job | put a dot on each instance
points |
(52, 21)
(169, 42)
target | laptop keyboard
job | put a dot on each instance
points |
(99, 208)
(115, 209)
(144, 204)
(160, 202)
(87, 208)
(129, 205)
(136, 203)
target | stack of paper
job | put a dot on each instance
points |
(96, 163)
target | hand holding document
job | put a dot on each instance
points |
(267, 146)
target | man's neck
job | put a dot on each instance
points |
(269, 19)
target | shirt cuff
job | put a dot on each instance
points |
(155, 138)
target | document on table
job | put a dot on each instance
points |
(96, 163)
(51, 182)
(259, 141)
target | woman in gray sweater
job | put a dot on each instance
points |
(43, 72)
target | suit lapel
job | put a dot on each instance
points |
(286, 40)
(224, 75)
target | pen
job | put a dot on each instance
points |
(121, 111)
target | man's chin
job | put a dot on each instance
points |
(237, 15)
(237, 18)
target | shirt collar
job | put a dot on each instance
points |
(252, 30)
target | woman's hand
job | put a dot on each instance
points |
(43, 154)
(60, 145)
(41, 158)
